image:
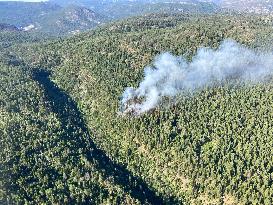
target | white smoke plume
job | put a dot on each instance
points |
(171, 75)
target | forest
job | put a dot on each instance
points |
(63, 141)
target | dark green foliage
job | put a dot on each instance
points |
(214, 147)
(47, 155)
(12, 38)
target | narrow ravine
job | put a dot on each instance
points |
(71, 118)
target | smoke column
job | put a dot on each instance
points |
(171, 75)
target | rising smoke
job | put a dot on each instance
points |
(171, 75)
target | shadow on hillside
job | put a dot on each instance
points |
(70, 116)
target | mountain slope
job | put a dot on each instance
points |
(125, 8)
(41, 129)
(24, 13)
(47, 17)
(8, 27)
(70, 19)
(255, 6)
(213, 147)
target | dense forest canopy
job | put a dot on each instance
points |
(63, 141)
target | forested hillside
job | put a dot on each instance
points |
(64, 141)
(69, 20)
(8, 27)
(49, 18)
(125, 8)
(24, 13)
(42, 139)
(256, 6)
(9, 38)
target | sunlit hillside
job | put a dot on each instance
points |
(64, 141)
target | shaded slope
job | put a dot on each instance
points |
(71, 118)
(47, 154)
